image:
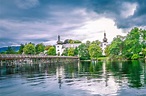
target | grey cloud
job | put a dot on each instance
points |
(112, 9)
(19, 19)
(42, 9)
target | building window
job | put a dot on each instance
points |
(57, 50)
(58, 46)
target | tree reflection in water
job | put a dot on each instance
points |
(108, 77)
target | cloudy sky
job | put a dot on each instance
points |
(37, 21)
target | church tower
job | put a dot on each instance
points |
(104, 44)
(59, 46)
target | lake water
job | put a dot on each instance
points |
(75, 79)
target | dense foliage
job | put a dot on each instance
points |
(71, 52)
(51, 51)
(39, 48)
(29, 49)
(133, 46)
(95, 51)
(83, 52)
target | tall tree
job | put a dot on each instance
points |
(95, 51)
(21, 49)
(51, 51)
(39, 48)
(83, 52)
(132, 44)
(29, 49)
(116, 46)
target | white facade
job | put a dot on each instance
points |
(104, 44)
(71, 45)
(60, 46)
(59, 49)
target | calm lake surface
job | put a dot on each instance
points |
(75, 79)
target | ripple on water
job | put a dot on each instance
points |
(110, 81)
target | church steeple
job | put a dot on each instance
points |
(104, 44)
(59, 42)
(104, 39)
(58, 37)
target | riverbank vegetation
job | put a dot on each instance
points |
(32, 49)
(132, 46)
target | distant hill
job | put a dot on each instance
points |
(16, 48)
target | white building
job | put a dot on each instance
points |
(104, 44)
(61, 46)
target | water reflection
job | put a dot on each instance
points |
(82, 78)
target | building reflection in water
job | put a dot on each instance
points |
(60, 75)
(105, 73)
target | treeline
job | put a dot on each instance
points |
(32, 49)
(86, 51)
(132, 46)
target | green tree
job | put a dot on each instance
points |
(29, 48)
(83, 52)
(132, 43)
(76, 51)
(71, 52)
(65, 52)
(39, 48)
(51, 51)
(115, 48)
(95, 51)
(10, 50)
(21, 49)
